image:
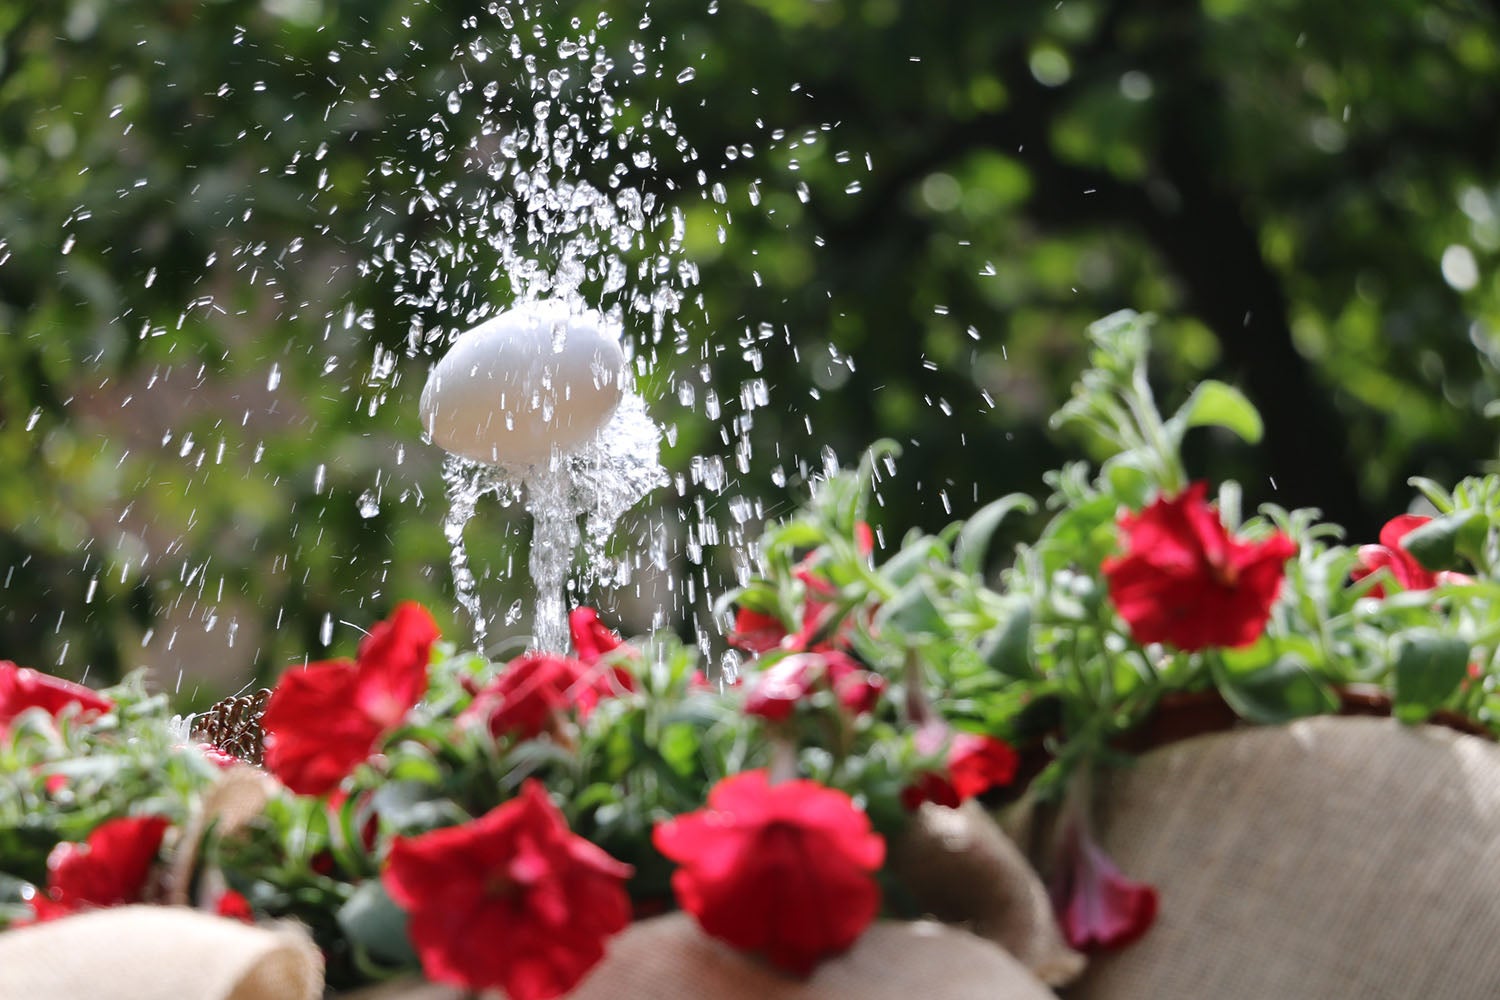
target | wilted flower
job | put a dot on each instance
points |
(1096, 906)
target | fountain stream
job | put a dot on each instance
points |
(531, 405)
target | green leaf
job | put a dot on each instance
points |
(1429, 668)
(372, 920)
(1216, 404)
(1434, 492)
(413, 807)
(1006, 649)
(974, 538)
(1442, 542)
(913, 611)
(789, 535)
(1129, 483)
(1284, 689)
(917, 552)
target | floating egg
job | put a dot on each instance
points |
(538, 377)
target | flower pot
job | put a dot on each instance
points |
(1181, 715)
(1332, 856)
(669, 958)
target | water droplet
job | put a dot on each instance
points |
(369, 504)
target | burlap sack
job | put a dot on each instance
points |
(1335, 857)
(157, 953)
(962, 869)
(669, 958)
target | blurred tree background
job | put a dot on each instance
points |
(899, 218)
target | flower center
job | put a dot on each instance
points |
(499, 885)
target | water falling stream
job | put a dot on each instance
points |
(553, 191)
(598, 482)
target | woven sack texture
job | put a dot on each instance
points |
(961, 868)
(157, 953)
(669, 958)
(1332, 857)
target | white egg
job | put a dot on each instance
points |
(536, 377)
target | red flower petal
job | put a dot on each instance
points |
(755, 632)
(783, 870)
(315, 733)
(778, 689)
(22, 688)
(530, 694)
(512, 900)
(1096, 906)
(591, 638)
(1391, 554)
(976, 764)
(392, 665)
(234, 906)
(321, 721)
(108, 869)
(1185, 581)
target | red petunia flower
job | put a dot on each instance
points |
(976, 764)
(778, 689)
(592, 641)
(755, 632)
(110, 868)
(221, 759)
(322, 720)
(22, 688)
(858, 691)
(529, 696)
(1185, 581)
(1392, 555)
(1096, 906)
(793, 678)
(392, 664)
(536, 691)
(783, 870)
(513, 899)
(235, 906)
(698, 681)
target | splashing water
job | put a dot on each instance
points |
(599, 482)
(553, 193)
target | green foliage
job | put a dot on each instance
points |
(867, 666)
(191, 190)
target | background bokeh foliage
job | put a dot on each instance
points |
(207, 429)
